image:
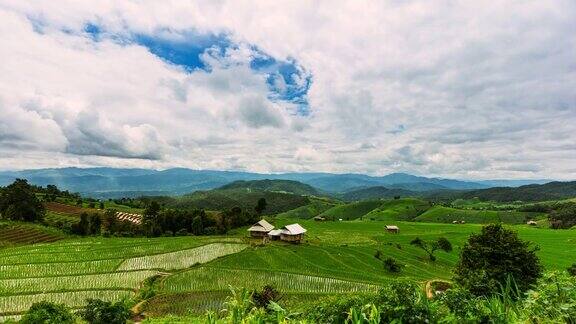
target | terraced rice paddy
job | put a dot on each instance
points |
(72, 270)
(337, 257)
(210, 279)
(17, 234)
(182, 259)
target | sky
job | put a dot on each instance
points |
(459, 89)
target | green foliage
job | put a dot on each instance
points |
(260, 206)
(47, 313)
(431, 247)
(392, 265)
(19, 203)
(267, 295)
(564, 217)
(488, 260)
(554, 299)
(103, 312)
(336, 309)
(572, 270)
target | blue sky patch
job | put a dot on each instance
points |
(286, 79)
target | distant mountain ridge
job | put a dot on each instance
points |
(534, 192)
(290, 186)
(106, 182)
(376, 193)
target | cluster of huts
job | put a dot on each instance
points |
(133, 218)
(290, 233)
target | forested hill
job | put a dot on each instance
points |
(223, 199)
(548, 191)
(376, 192)
(290, 186)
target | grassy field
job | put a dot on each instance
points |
(398, 209)
(314, 208)
(352, 210)
(336, 257)
(440, 214)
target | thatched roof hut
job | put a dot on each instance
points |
(260, 229)
(392, 229)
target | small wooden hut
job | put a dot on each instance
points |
(392, 229)
(292, 233)
(274, 235)
(532, 223)
(260, 229)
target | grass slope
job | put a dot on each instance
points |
(440, 214)
(314, 208)
(351, 211)
(290, 186)
(398, 209)
(377, 192)
(221, 199)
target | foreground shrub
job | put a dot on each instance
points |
(264, 297)
(572, 270)
(47, 313)
(431, 247)
(404, 302)
(392, 265)
(336, 309)
(490, 258)
(102, 312)
(554, 298)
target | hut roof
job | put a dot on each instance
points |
(392, 227)
(261, 226)
(275, 232)
(293, 229)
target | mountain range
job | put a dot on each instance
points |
(117, 182)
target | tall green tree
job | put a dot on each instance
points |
(18, 202)
(431, 247)
(261, 206)
(493, 258)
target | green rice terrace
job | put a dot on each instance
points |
(187, 264)
(337, 257)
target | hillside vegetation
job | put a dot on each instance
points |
(290, 186)
(441, 214)
(378, 192)
(548, 191)
(398, 209)
(352, 210)
(314, 208)
(222, 199)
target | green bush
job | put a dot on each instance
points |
(47, 313)
(404, 302)
(392, 265)
(489, 259)
(103, 312)
(554, 299)
(572, 270)
(335, 309)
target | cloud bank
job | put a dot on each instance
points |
(454, 89)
